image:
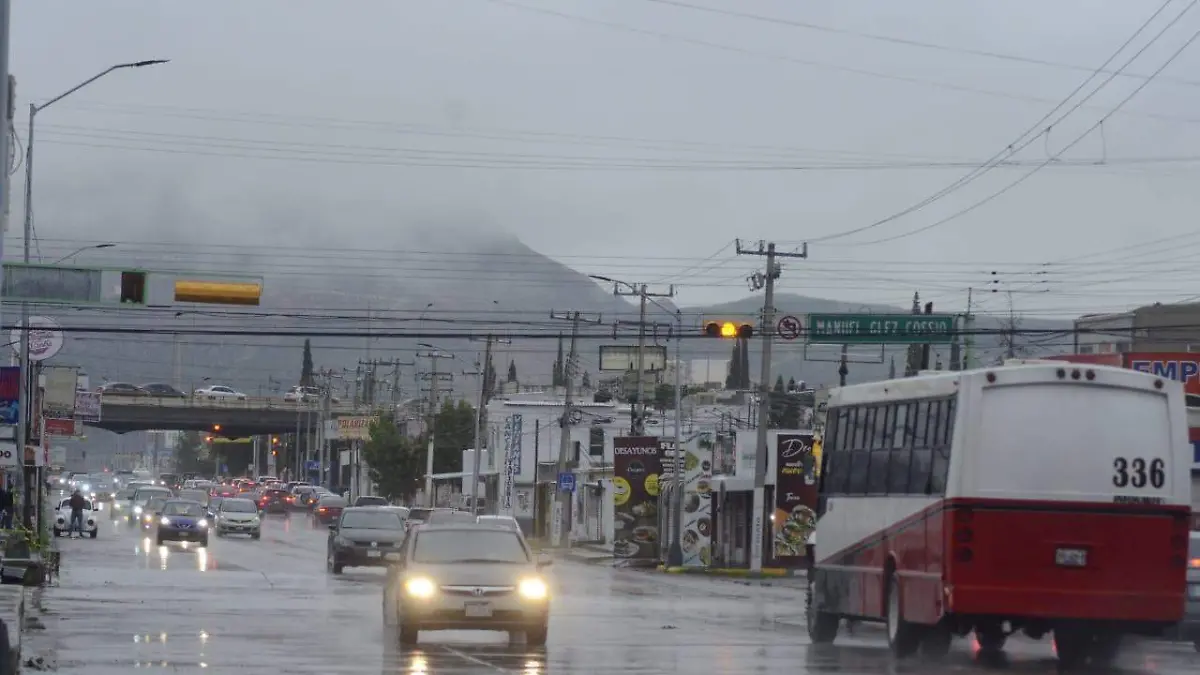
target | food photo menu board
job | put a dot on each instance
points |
(637, 465)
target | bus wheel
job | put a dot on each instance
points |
(1071, 646)
(903, 637)
(1105, 649)
(991, 639)
(822, 626)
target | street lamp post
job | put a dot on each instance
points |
(72, 254)
(26, 384)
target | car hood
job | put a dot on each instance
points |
(372, 535)
(474, 574)
(238, 517)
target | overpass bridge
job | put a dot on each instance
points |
(237, 419)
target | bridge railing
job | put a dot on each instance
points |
(248, 403)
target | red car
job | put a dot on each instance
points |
(327, 510)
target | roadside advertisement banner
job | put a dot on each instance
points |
(60, 426)
(58, 395)
(512, 461)
(10, 394)
(87, 405)
(697, 502)
(637, 464)
(8, 455)
(795, 495)
(355, 428)
(1182, 367)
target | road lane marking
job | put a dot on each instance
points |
(472, 659)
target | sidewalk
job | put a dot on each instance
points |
(599, 554)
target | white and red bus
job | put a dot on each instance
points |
(1046, 498)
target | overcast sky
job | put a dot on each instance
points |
(637, 138)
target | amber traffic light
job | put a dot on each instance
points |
(216, 427)
(274, 440)
(728, 329)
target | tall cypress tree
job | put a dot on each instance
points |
(306, 366)
(734, 379)
(557, 377)
(744, 369)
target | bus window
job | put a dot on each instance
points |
(901, 438)
(919, 471)
(856, 482)
(898, 465)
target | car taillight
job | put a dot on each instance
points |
(325, 509)
(1194, 562)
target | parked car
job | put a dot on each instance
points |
(162, 390)
(219, 391)
(121, 389)
(62, 519)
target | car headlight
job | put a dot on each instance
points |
(532, 589)
(116, 506)
(137, 510)
(202, 522)
(419, 587)
(165, 521)
(147, 517)
(341, 541)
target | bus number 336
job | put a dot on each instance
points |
(1133, 472)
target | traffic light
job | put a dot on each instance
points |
(728, 329)
(133, 288)
(218, 292)
(216, 427)
(274, 440)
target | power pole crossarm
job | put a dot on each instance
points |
(758, 532)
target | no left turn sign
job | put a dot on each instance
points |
(788, 328)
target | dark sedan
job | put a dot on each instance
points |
(162, 390)
(121, 389)
(183, 521)
(328, 510)
(364, 537)
(275, 501)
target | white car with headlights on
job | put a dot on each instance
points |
(467, 577)
(62, 518)
(238, 516)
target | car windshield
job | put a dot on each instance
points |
(194, 495)
(445, 517)
(155, 503)
(370, 501)
(419, 514)
(457, 546)
(188, 509)
(238, 506)
(371, 520)
(499, 521)
(331, 501)
(125, 493)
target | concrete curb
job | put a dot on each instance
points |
(736, 572)
(12, 622)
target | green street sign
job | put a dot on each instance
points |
(838, 329)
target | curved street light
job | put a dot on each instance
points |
(77, 251)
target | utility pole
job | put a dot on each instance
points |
(371, 377)
(968, 325)
(480, 417)
(434, 377)
(560, 527)
(767, 281)
(638, 423)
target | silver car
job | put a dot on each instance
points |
(237, 516)
(467, 577)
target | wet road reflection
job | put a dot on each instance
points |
(244, 606)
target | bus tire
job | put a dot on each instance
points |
(904, 638)
(1071, 646)
(822, 626)
(1105, 649)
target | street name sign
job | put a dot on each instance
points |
(839, 329)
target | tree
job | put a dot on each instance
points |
(786, 411)
(791, 386)
(455, 431)
(587, 380)
(306, 366)
(187, 452)
(394, 463)
(779, 384)
(512, 371)
(664, 397)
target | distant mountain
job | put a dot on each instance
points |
(474, 283)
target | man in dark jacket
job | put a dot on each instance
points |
(77, 504)
(6, 507)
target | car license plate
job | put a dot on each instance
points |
(185, 535)
(1070, 557)
(392, 556)
(374, 554)
(479, 610)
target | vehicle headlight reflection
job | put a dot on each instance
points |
(419, 587)
(165, 521)
(532, 589)
(418, 666)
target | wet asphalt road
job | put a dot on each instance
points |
(245, 606)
